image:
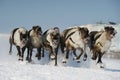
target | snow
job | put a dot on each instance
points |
(12, 69)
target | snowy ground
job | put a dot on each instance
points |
(12, 69)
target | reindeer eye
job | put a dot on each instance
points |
(24, 36)
(111, 32)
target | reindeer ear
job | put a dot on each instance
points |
(86, 29)
(19, 31)
(79, 28)
(106, 28)
(40, 28)
(34, 27)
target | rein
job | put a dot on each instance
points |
(100, 44)
(69, 35)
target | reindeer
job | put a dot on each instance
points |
(19, 38)
(35, 41)
(100, 42)
(51, 41)
(72, 39)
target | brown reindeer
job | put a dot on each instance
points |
(19, 38)
(72, 39)
(51, 40)
(100, 42)
(35, 41)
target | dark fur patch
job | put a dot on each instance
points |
(66, 31)
(69, 35)
(108, 34)
(13, 32)
(56, 39)
(84, 32)
(92, 38)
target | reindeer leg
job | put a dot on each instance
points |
(74, 52)
(28, 53)
(10, 41)
(42, 51)
(94, 56)
(19, 52)
(56, 52)
(23, 50)
(39, 53)
(56, 58)
(63, 54)
(67, 55)
(99, 62)
(81, 52)
(30, 59)
(85, 55)
(99, 58)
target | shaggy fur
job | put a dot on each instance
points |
(19, 38)
(100, 42)
(51, 40)
(35, 41)
(72, 39)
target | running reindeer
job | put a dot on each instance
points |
(35, 41)
(72, 39)
(51, 40)
(100, 42)
(19, 38)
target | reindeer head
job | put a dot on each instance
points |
(37, 30)
(54, 37)
(110, 32)
(84, 34)
(23, 36)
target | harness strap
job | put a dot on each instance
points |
(72, 40)
(100, 44)
(96, 37)
(69, 35)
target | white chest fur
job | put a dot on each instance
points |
(17, 38)
(104, 43)
(106, 46)
(36, 41)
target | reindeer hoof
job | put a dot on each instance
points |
(42, 55)
(84, 59)
(27, 58)
(20, 59)
(36, 55)
(63, 61)
(52, 57)
(56, 65)
(78, 61)
(75, 58)
(30, 60)
(10, 53)
(101, 65)
(93, 58)
(39, 58)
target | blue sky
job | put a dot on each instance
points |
(51, 13)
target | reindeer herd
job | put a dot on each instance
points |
(71, 39)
